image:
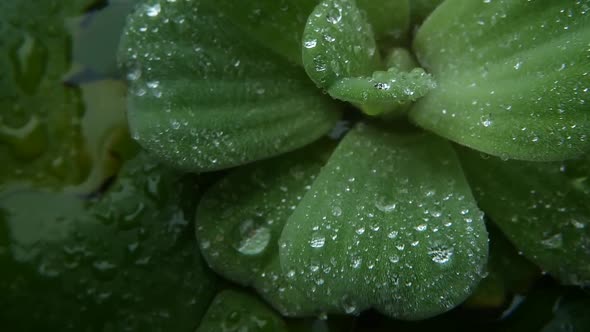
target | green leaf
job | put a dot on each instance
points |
(340, 54)
(390, 19)
(205, 95)
(512, 77)
(509, 273)
(388, 224)
(401, 59)
(541, 207)
(254, 203)
(420, 9)
(384, 91)
(338, 42)
(40, 139)
(126, 262)
(233, 311)
(276, 24)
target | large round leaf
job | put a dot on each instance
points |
(541, 207)
(206, 95)
(240, 219)
(389, 223)
(512, 76)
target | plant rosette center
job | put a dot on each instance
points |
(384, 214)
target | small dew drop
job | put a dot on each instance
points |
(310, 43)
(317, 241)
(486, 121)
(440, 254)
(384, 206)
(336, 211)
(153, 11)
(252, 237)
(421, 227)
(392, 235)
(553, 242)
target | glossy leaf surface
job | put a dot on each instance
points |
(233, 311)
(205, 95)
(338, 42)
(240, 219)
(389, 223)
(541, 207)
(126, 262)
(512, 77)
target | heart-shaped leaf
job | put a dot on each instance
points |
(512, 77)
(389, 223)
(126, 262)
(541, 207)
(206, 95)
(233, 311)
(254, 202)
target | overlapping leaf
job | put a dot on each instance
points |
(389, 223)
(541, 207)
(233, 311)
(512, 77)
(240, 219)
(207, 95)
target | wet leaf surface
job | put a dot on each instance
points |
(541, 207)
(205, 95)
(240, 219)
(390, 224)
(512, 77)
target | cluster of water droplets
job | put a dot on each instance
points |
(399, 242)
(549, 90)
